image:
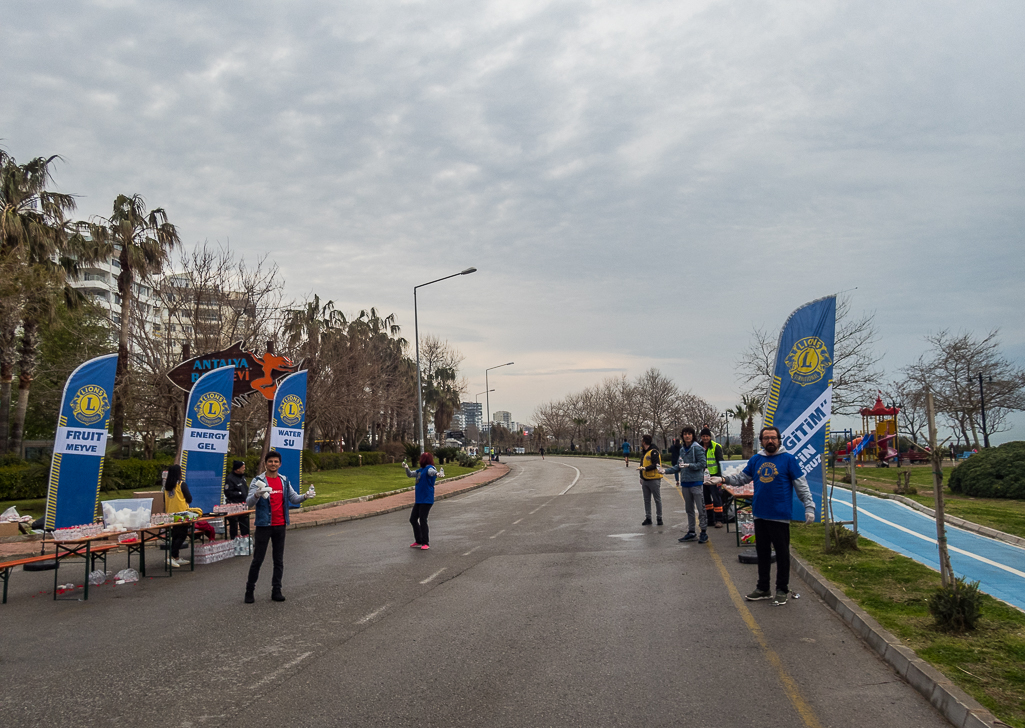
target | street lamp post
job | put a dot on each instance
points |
(982, 399)
(476, 398)
(416, 333)
(487, 399)
(726, 416)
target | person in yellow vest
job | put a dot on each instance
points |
(651, 480)
(713, 496)
(177, 498)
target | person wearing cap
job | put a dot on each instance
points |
(235, 491)
(268, 493)
(713, 496)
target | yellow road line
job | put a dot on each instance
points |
(789, 685)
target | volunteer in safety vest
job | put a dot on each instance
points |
(651, 480)
(713, 494)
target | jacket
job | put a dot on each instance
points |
(714, 458)
(691, 465)
(649, 465)
(425, 479)
(235, 489)
(177, 500)
(263, 514)
(776, 477)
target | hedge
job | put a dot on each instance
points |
(997, 472)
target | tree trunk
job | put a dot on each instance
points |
(124, 288)
(7, 356)
(27, 368)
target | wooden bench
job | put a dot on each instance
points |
(97, 552)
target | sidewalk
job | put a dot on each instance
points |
(327, 513)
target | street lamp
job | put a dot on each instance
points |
(416, 333)
(476, 398)
(982, 398)
(487, 399)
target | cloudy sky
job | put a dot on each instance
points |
(639, 184)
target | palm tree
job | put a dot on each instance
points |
(33, 231)
(745, 412)
(142, 240)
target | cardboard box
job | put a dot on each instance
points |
(10, 528)
(156, 495)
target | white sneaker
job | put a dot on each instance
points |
(175, 563)
(183, 560)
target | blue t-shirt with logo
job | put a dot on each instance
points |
(773, 477)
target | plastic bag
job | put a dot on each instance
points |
(11, 514)
(127, 576)
(97, 577)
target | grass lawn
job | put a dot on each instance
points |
(331, 485)
(989, 663)
(1002, 514)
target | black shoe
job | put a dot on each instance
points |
(249, 597)
(647, 522)
(277, 596)
(689, 536)
(659, 522)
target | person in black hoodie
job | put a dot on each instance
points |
(235, 491)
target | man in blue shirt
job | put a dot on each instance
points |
(626, 451)
(776, 475)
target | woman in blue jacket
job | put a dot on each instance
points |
(425, 476)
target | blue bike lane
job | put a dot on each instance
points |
(998, 567)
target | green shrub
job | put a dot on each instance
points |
(15, 486)
(444, 455)
(412, 453)
(997, 472)
(958, 606)
(133, 473)
(467, 460)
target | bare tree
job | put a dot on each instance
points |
(951, 367)
(855, 363)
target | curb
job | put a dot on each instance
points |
(955, 704)
(951, 520)
(358, 516)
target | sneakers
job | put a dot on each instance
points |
(277, 596)
(757, 595)
(415, 545)
(718, 525)
(658, 522)
(689, 536)
(176, 563)
(703, 538)
(183, 560)
(424, 547)
(646, 522)
(781, 597)
(249, 597)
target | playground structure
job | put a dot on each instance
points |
(877, 440)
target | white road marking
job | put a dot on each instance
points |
(574, 479)
(372, 615)
(515, 522)
(433, 576)
(955, 549)
(625, 535)
(471, 550)
(499, 533)
(284, 668)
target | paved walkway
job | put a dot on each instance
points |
(324, 514)
(998, 567)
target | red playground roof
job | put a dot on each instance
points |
(878, 410)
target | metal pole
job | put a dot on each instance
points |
(982, 398)
(854, 494)
(487, 400)
(946, 572)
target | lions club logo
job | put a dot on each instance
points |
(767, 473)
(291, 409)
(212, 409)
(90, 404)
(808, 360)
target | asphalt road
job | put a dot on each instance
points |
(542, 602)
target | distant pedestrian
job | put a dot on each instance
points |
(267, 493)
(651, 479)
(674, 457)
(626, 451)
(177, 498)
(776, 475)
(713, 496)
(235, 491)
(425, 475)
(542, 451)
(691, 468)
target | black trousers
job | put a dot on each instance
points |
(179, 535)
(771, 535)
(713, 503)
(276, 536)
(418, 518)
(237, 525)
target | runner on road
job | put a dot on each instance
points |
(776, 474)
